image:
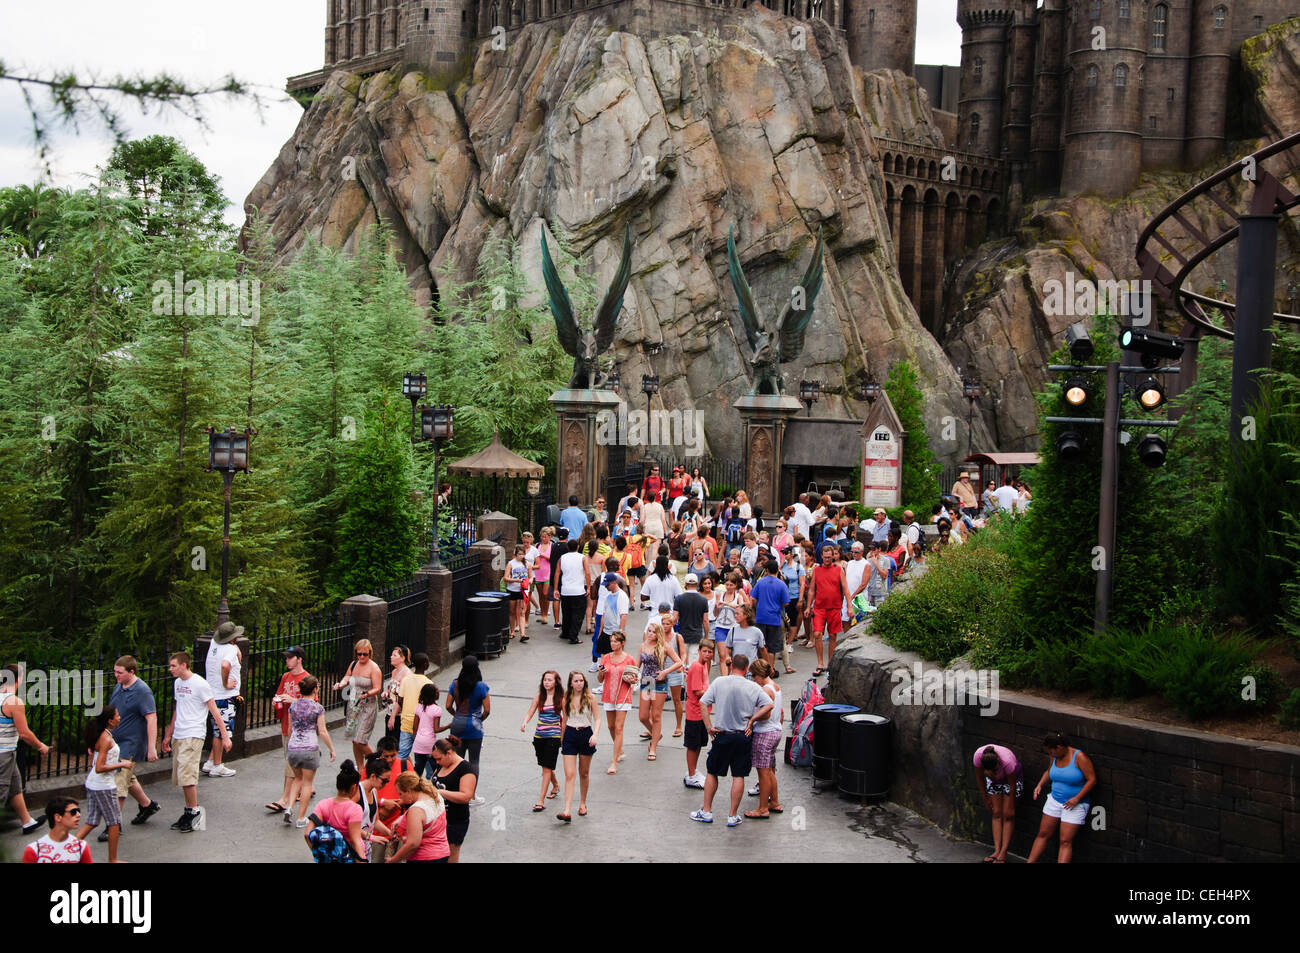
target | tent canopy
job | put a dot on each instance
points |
(497, 460)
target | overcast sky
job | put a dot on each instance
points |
(259, 41)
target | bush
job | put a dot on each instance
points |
(1289, 716)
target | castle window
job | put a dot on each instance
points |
(426, 14)
(1259, 23)
(979, 67)
(1153, 123)
(1159, 26)
(1094, 10)
(1123, 9)
(974, 126)
(1169, 96)
(1092, 76)
(1121, 75)
(871, 25)
(1220, 17)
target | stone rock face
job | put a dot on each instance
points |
(1272, 63)
(682, 137)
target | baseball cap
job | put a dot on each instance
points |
(692, 579)
(608, 578)
(295, 650)
(665, 607)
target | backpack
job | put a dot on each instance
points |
(735, 531)
(329, 845)
(801, 745)
(920, 545)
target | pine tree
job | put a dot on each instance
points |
(920, 467)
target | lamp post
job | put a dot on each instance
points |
(436, 424)
(869, 390)
(227, 452)
(971, 390)
(650, 387)
(810, 392)
(612, 382)
(414, 387)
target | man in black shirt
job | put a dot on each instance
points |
(692, 610)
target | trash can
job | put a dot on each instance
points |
(501, 602)
(865, 752)
(480, 620)
(826, 739)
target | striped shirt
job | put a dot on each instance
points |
(548, 722)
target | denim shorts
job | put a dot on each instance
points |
(650, 685)
(676, 679)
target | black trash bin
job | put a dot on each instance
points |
(865, 751)
(826, 739)
(481, 620)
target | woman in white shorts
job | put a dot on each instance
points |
(1072, 776)
(618, 673)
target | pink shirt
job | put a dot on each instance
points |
(426, 728)
(338, 814)
(433, 842)
(1008, 767)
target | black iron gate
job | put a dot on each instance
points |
(407, 605)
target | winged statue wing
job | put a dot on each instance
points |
(612, 303)
(792, 325)
(744, 297)
(566, 326)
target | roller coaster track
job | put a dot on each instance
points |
(1172, 234)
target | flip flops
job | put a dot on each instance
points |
(537, 808)
(275, 807)
(756, 815)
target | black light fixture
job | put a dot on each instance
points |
(1078, 342)
(869, 390)
(810, 392)
(1150, 394)
(1070, 445)
(1151, 346)
(437, 423)
(1151, 450)
(972, 391)
(612, 382)
(1077, 391)
(649, 384)
(414, 387)
(227, 452)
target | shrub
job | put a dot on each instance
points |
(1289, 716)
(1200, 674)
(920, 467)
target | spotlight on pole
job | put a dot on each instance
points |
(1150, 394)
(1151, 450)
(1078, 342)
(1152, 346)
(1069, 445)
(1077, 391)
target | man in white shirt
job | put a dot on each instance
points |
(223, 672)
(855, 571)
(614, 607)
(573, 592)
(1006, 497)
(911, 536)
(801, 521)
(189, 726)
(749, 553)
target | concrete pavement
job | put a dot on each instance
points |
(640, 814)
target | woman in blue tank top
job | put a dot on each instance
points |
(1072, 776)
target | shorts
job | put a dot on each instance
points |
(720, 636)
(125, 778)
(456, 831)
(226, 707)
(828, 619)
(677, 679)
(650, 685)
(732, 752)
(11, 782)
(610, 706)
(284, 746)
(514, 595)
(773, 637)
(637, 573)
(1054, 808)
(1003, 787)
(764, 749)
(187, 753)
(577, 741)
(792, 613)
(306, 760)
(548, 752)
(695, 737)
(102, 808)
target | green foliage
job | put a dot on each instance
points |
(920, 466)
(963, 601)
(1289, 716)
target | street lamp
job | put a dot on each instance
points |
(227, 452)
(971, 390)
(869, 390)
(649, 387)
(612, 382)
(414, 387)
(810, 392)
(436, 424)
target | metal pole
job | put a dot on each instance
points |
(970, 426)
(434, 562)
(1109, 502)
(223, 609)
(1252, 336)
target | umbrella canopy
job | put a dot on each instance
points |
(497, 460)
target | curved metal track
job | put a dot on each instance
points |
(1175, 234)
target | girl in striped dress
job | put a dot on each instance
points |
(548, 705)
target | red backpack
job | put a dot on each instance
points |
(801, 745)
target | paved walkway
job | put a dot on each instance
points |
(638, 815)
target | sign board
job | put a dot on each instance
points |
(882, 456)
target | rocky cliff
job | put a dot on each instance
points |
(682, 137)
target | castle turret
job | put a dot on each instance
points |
(1209, 66)
(438, 33)
(985, 26)
(1103, 133)
(1049, 88)
(882, 34)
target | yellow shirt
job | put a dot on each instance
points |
(410, 696)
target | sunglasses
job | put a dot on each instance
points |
(363, 655)
(72, 810)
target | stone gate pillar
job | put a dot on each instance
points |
(582, 463)
(765, 416)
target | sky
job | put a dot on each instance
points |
(259, 41)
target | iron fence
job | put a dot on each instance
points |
(465, 572)
(326, 640)
(408, 604)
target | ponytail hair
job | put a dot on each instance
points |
(989, 759)
(347, 778)
(409, 781)
(97, 725)
(1056, 739)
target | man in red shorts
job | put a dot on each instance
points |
(827, 594)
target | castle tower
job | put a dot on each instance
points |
(1209, 64)
(1049, 88)
(438, 32)
(985, 27)
(1103, 131)
(881, 34)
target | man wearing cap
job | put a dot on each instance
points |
(223, 670)
(965, 494)
(692, 610)
(614, 606)
(286, 693)
(878, 525)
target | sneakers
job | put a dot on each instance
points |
(696, 782)
(704, 817)
(595, 667)
(145, 813)
(34, 825)
(288, 817)
(103, 836)
(733, 821)
(476, 800)
(186, 824)
(753, 792)
(300, 823)
(221, 771)
(207, 766)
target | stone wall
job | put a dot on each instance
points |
(1167, 793)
